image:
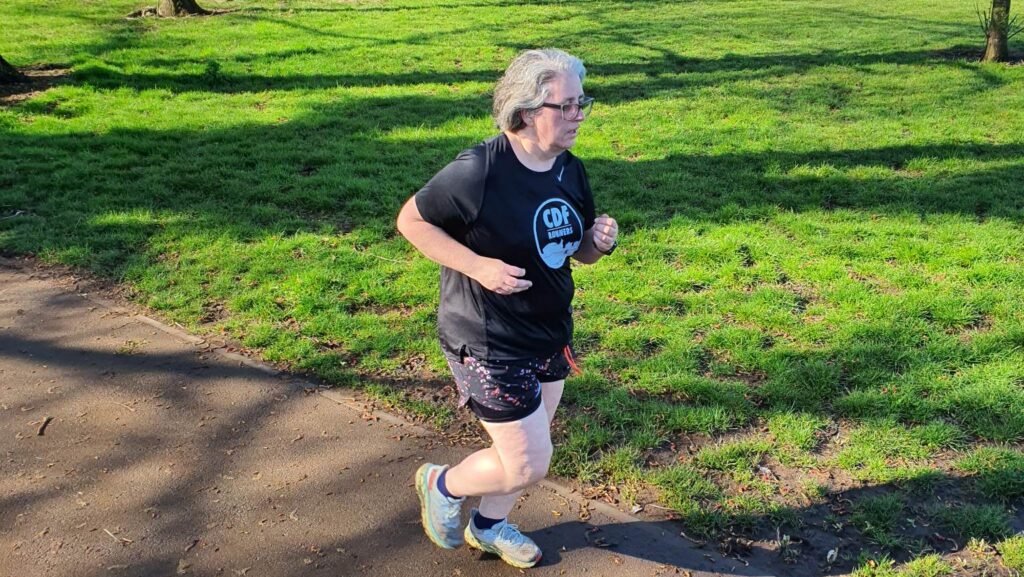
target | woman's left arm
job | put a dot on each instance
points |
(599, 240)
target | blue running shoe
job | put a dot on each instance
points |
(505, 541)
(442, 517)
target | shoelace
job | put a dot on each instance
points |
(510, 533)
(452, 513)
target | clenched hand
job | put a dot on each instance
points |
(606, 232)
(497, 276)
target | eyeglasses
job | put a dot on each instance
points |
(572, 110)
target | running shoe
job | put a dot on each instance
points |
(505, 541)
(442, 517)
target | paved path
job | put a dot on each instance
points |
(161, 456)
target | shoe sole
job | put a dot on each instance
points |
(472, 541)
(423, 490)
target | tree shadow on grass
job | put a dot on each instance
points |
(463, 5)
(663, 69)
(337, 161)
(126, 203)
(666, 75)
(891, 422)
(332, 167)
(898, 521)
(228, 499)
(648, 192)
(87, 197)
(113, 201)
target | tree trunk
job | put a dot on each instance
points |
(9, 74)
(172, 8)
(997, 47)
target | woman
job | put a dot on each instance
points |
(502, 220)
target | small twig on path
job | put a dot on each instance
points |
(123, 405)
(42, 428)
(696, 542)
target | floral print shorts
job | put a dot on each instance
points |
(502, 391)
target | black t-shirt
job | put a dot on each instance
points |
(488, 201)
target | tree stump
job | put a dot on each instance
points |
(997, 47)
(172, 8)
(9, 74)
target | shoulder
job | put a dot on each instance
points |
(468, 168)
(474, 162)
(573, 165)
(474, 154)
(573, 160)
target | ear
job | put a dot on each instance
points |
(527, 116)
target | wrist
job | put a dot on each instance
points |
(615, 244)
(476, 266)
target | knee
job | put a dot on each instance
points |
(532, 470)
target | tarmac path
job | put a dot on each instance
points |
(131, 448)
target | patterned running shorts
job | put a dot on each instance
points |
(507, 390)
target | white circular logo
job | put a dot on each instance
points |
(557, 230)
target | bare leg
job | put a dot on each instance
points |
(497, 505)
(519, 457)
(551, 394)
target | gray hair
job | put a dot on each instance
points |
(524, 86)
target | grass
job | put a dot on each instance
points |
(688, 492)
(883, 567)
(736, 456)
(989, 522)
(1012, 552)
(885, 451)
(439, 415)
(925, 566)
(878, 519)
(1000, 471)
(796, 433)
(813, 236)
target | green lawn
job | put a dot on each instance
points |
(821, 205)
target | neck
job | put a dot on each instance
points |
(529, 151)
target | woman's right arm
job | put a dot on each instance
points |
(440, 247)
